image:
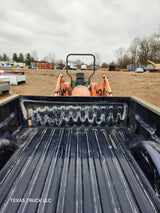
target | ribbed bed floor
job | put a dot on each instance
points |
(72, 170)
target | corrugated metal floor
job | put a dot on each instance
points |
(72, 170)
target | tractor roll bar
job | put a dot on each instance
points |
(81, 54)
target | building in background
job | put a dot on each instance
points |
(41, 65)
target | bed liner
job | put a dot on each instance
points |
(80, 161)
(75, 170)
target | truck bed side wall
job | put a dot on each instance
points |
(9, 114)
(145, 117)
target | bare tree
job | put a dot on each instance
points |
(134, 50)
(112, 63)
(143, 50)
(120, 55)
(60, 61)
(78, 63)
(34, 55)
(104, 65)
(140, 50)
(51, 57)
(97, 55)
(123, 57)
(154, 44)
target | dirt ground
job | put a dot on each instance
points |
(143, 85)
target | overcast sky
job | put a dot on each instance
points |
(80, 26)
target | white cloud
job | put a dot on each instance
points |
(94, 26)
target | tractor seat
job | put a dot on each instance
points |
(80, 80)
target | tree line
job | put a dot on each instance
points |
(140, 51)
(18, 58)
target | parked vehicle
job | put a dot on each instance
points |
(83, 67)
(155, 67)
(5, 64)
(144, 68)
(19, 64)
(72, 66)
(14, 76)
(139, 69)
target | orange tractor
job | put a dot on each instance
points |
(80, 86)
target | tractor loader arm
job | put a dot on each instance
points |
(62, 88)
(59, 85)
(103, 87)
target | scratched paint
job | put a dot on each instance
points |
(69, 115)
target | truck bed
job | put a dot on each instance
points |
(73, 169)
